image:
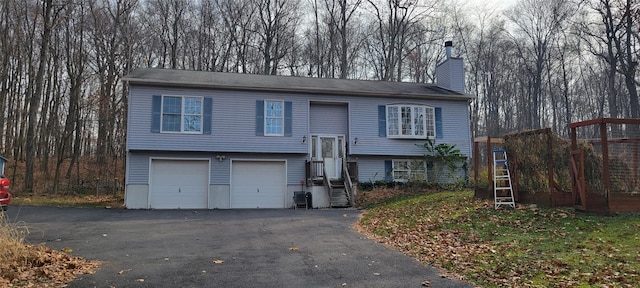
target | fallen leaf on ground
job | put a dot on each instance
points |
(67, 250)
(140, 280)
(218, 261)
(426, 283)
(122, 271)
(294, 248)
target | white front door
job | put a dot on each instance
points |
(330, 149)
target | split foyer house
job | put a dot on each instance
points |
(208, 140)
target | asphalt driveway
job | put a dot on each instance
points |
(260, 248)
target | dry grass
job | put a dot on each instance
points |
(70, 201)
(365, 199)
(12, 248)
(26, 265)
(524, 247)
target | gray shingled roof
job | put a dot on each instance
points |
(255, 82)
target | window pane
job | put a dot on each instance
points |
(181, 114)
(418, 120)
(406, 121)
(192, 106)
(273, 126)
(400, 165)
(273, 119)
(314, 143)
(171, 122)
(327, 146)
(172, 105)
(192, 123)
(392, 120)
(430, 122)
(418, 172)
(171, 109)
(274, 109)
(400, 175)
(409, 170)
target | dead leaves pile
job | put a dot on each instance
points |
(367, 198)
(424, 240)
(472, 241)
(40, 266)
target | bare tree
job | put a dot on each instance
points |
(394, 21)
(107, 22)
(48, 15)
(276, 22)
(538, 24)
(237, 16)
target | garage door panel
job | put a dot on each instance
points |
(179, 184)
(258, 184)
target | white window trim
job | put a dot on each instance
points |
(409, 170)
(266, 117)
(413, 129)
(182, 114)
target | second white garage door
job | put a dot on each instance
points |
(179, 184)
(258, 184)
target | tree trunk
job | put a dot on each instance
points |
(34, 100)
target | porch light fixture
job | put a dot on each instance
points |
(220, 157)
(304, 139)
(355, 141)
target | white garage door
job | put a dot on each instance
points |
(179, 184)
(258, 184)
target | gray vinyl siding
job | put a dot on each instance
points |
(137, 169)
(329, 119)
(450, 74)
(364, 126)
(138, 165)
(371, 169)
(233, 124)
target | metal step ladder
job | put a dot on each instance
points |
(502, 180)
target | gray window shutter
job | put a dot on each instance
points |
(438, 112)
(206, 117)
(156, 113)
(287, 118)
(259, 117)
(388, 170)
(382, 121)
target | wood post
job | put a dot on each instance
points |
(606, 178)
(489, 164)
(551, 180)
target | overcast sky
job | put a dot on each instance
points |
(499, 4)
